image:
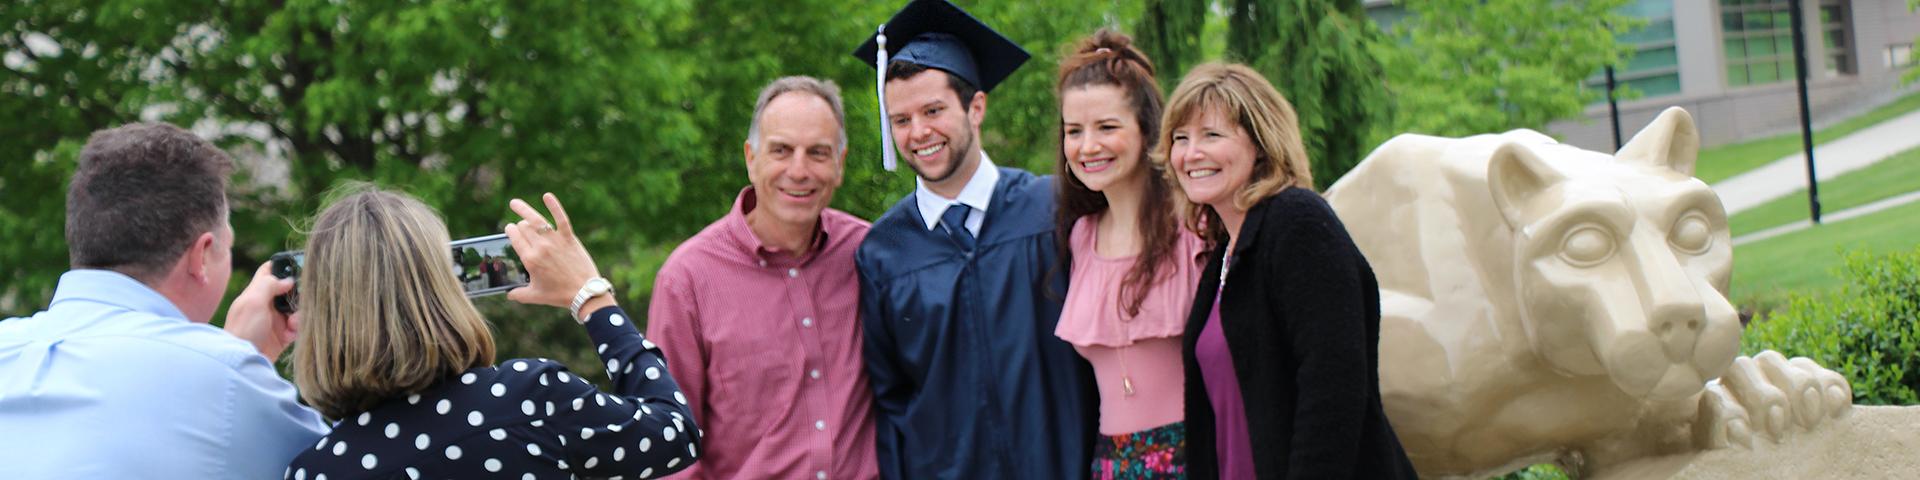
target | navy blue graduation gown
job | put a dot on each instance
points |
(969, 380)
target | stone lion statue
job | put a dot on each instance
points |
(1543, 303)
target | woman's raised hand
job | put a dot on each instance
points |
(557, 265)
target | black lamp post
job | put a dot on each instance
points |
(1806, 117)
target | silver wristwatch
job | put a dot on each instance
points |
(595, 287)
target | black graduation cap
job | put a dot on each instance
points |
(942, 36)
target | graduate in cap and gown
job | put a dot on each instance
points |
(961, 283)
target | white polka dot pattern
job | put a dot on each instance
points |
(468, 428)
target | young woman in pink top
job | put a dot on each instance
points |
(1134, 269)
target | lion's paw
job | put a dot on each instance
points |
(1768, 396)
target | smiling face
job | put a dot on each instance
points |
(1213, 157)
(797, 164)
(1101, 137)
(932, 129)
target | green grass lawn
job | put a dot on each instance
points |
(1765, 272)
(1896, 175)
(1725, 161)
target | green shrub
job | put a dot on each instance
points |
(1869, 330)
(1543, 471)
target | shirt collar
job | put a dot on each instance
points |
(743, 236)
(977, 194)
(112, 288)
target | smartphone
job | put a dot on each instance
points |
(483, 266)
(487, 265)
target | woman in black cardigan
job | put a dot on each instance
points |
(1282, 361)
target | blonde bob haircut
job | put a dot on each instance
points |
(1242, 94)
(381, 313)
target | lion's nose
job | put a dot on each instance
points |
(1675, 313)
(1678, 327)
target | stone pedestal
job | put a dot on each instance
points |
(1867, 442)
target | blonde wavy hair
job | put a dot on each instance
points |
(1236, 92)
(381, 313)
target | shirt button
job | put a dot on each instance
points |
(822, 475)
(793, 273)
(820, 425)
(763, 263)
(815, 374)
(806, 322)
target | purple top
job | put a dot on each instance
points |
(1223, 391)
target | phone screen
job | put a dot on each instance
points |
(483, 266)
(487, 265)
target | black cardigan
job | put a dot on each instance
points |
(1302, 320)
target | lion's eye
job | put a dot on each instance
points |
(1692, 234)
(1587, 246)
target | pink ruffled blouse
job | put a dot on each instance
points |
(1136, 359)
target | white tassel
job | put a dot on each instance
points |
(880, 88)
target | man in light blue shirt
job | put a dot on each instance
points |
(121, 377)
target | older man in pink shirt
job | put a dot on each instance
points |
(757, 313)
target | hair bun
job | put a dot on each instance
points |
(1107, 57)
(1106, 40)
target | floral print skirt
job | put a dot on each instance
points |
(1155, 453)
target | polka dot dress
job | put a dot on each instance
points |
(523, 418)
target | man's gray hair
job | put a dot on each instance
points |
(825, 89)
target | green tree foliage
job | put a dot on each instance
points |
(1319, 54)
(1170, 33)
(1464, 67)
(1869, 331)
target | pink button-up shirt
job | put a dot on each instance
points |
(766, 347)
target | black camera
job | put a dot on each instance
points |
(287, 265)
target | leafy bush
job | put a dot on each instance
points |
(1543, 471)
(1869, 330)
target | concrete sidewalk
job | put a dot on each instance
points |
(1788, 175)
(1828, 218)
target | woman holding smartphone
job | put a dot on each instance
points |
(1282, 341)
(390, 346)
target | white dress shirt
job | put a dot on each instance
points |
(976, 195)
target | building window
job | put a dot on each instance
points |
(1900, 55)
(1757, 36)
(1836, 30)
(1654, 69)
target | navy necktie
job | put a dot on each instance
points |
(955, 221)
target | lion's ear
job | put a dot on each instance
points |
(1670, 142)
(1517, 178)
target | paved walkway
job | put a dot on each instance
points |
(1789, 175)
(1827, 218)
